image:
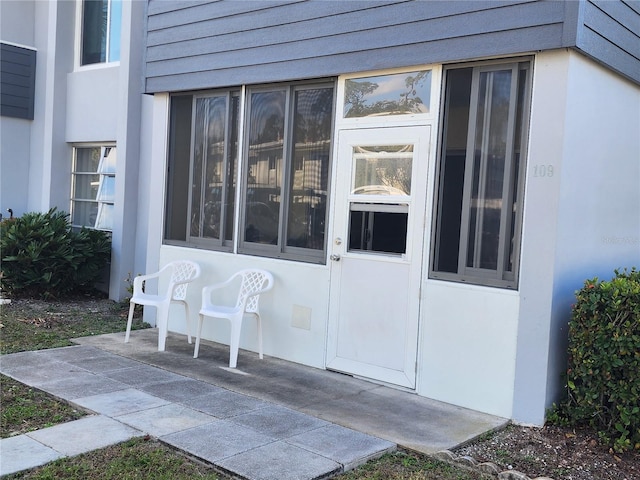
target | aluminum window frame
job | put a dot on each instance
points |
(500, 277)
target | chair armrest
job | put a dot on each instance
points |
(206, 291)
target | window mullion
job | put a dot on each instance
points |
(468, 174)
(192, 160)
(287, 165)
(107, 47)
(241, 188)
(482, 177)
(507, 184)
(225, 171)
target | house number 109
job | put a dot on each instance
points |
(543, 170)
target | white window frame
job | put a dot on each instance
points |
(79, 36)
(102, 205)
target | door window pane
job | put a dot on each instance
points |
(398, 94)
(378, 228)
(382, 170)
(309, 170)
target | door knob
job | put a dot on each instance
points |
(335, 258)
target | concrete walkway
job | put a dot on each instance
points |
(268, 419)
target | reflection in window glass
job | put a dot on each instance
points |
(107, 189)
(108, 160)
(382, 170)
(479, 203)
(215, 156)
(398, 94)
(105, 217)
(94, 185)
(309, 169)
(266, 142)
(101, 20)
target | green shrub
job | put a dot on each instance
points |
(603, 375)
(43, 256)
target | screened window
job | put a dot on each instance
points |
(101, 24)
(479, 199)
(284, 159)
(93, 187)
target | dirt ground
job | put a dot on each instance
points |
(556, 452)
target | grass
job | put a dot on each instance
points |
(25, 409)
(34, 325)
(137, 459)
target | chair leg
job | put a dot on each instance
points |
(198, 333)
(132, 306)
(260, 356)
(163, 327)
(187, 317)
(234, 344)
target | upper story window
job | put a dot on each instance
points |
(101, 21)
(481, 170)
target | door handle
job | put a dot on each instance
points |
(335, 258)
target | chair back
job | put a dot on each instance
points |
(253, 281)
(183, 270)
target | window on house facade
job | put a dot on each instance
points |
(394, 94)
(101, 21)
(93, 187)
(284, 159)
(477, 222)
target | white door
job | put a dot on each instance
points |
(376, 253)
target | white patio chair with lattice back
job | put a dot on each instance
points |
(182, 272)
(253, 282)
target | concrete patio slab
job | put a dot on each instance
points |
(22, 453)
(225, 404)
(142, 375)
(400, 417)
(279, 422)
(88, 433)
(81, 384)
(218, 440)
(164, 420)
(182, 390)
(342, 445)
(280, 461)
(121, 402)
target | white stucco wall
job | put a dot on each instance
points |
(580, 221)
(15, 133)
(468, 346)
(296, 285)
(599, 206)
(92, 104)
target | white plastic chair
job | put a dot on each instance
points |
(182, 273)
(253, 283)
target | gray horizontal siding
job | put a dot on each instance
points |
(17, 81)
(610, 33)
(194, 45)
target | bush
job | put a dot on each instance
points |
(43, 256)
(603, 376)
